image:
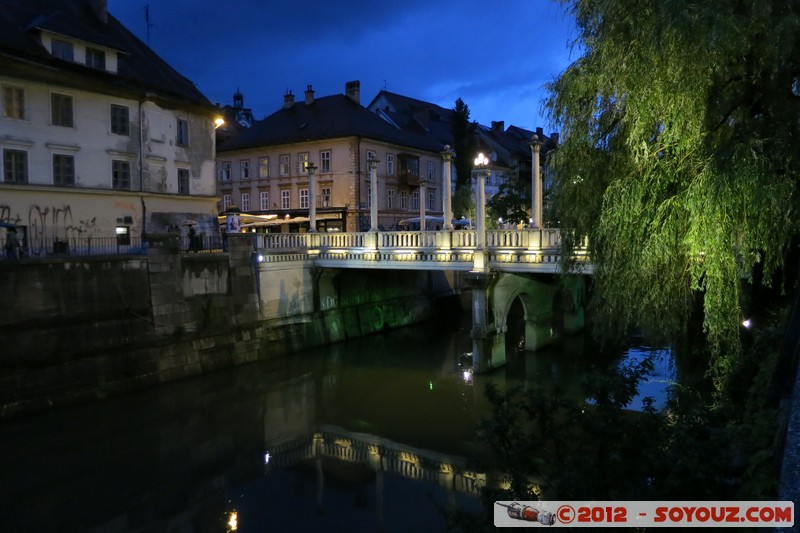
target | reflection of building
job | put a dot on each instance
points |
(99, 137)
(263, 169)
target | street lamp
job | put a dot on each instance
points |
(312, 202)
(481, 171)
(372, 164)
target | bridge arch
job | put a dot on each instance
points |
(537, 298)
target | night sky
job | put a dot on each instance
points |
(496, 56)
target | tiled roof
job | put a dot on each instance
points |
(327, 117)
(139, 68)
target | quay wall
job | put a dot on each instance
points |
(76, 329)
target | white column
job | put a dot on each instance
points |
(312, 200)
(373, 193)
(536, 184)
(480, 210)
(447, 200)
(423, 192)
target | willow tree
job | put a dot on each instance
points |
(679, 156)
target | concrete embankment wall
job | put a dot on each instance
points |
(76, 329)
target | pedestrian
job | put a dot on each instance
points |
(12, 243)
(192, 239)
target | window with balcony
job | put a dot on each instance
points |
(63, 170)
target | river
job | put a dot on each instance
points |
(375, 434)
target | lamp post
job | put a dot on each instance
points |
(372, 164)
(481, 170)
(536, 184)
(312, 201)
(447, 199)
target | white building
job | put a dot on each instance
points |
(98, 136)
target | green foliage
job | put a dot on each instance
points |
(512, 201)
(679, 157)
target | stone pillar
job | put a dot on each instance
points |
(447, 190)
(480, 210)
(423, 191)
(312, 200)
(373, 193)
(536, 184)
(482, 332)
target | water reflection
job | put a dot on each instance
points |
(374, 433)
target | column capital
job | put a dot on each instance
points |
(448, 153)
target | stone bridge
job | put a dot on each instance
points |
(509, 271)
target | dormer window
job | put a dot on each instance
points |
(63, 50)
(95, 58)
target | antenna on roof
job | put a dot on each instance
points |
(384, 85)
(147, 22)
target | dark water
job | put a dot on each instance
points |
(375, 434)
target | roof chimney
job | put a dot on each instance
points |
(309, 95)
(288, 100)
(353, 91)
(100, 9)
(498, 126)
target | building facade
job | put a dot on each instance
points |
(98, 136)
(264, 170)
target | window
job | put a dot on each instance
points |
(325, 161)
(123, 235)
(263, 200)
(285, 198)
(15, 166)
(389, 198)
(225, 171)
(227, 201)
(303, 198)
(302, 162)
(371, 155)
(95, 58)
(121, 174)
(182, 138)
(244, 169)
(415, 201)
(325, 197)
(431, 200)
(284, 164)
(183, 181)
(62, 50)
(404, 200)
(431, 170)
(63, 169)
(390, 164)
(61, 110)
(120, 120)
(13, 102)
(263, 167)
(245, 201)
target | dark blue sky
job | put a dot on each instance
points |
(496, 56)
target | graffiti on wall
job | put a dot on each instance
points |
(46, 224)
